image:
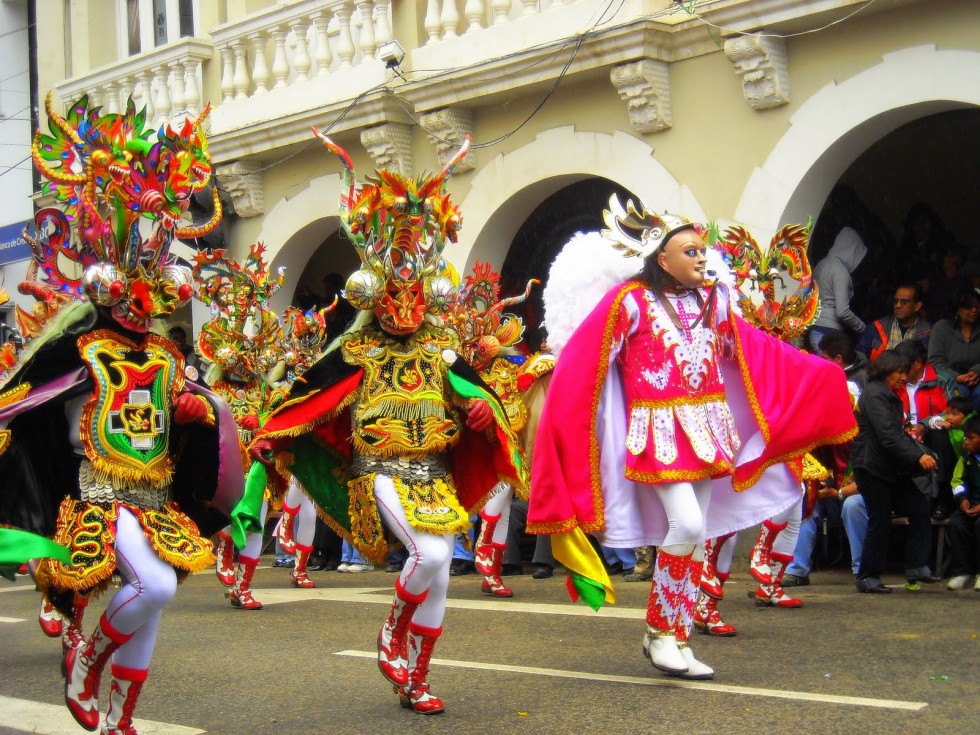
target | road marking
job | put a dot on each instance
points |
(669, 683)
(19, 588)
(53, 719)
(11, 620)
(279, 595)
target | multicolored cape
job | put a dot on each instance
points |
(784, 402)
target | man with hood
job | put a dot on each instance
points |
(833, 275)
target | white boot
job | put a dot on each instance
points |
(695, 669)
(661, 648)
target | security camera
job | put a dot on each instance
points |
(391, 53)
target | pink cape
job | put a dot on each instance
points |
(785, 403)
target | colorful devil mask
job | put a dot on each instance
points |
(776, 291)
(399, 227)
(243, 337)
(305, 337)
(122, 191)
(640, 232)
(485, 331)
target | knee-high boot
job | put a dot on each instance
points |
(392, 640)
(84, 672)
(670, 576)
(50, 620)
(773, 595)
(225, 566)
(492, 582)
(483, 556)
(416, 695)
(685, 621)
(710, 582)
(759, 561)
(125, 690)
(285, 530)
(707, 619)
(298, 575)
(241, 593)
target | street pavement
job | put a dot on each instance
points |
(538, 663)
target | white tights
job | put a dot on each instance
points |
(686, 506)
(429, 555)
(793, 517)
(304, 527)
(150, 583)
(499, 504)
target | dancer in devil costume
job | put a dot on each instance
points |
(98, 419)
(392, 407)
(683, 404)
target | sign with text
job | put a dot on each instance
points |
(13, 246)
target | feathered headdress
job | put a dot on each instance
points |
(640, 233)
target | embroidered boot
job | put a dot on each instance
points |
(241, 593)
(84, 672)
(298, 574)
(416, 695)
(125, 690)
(762, 551)
(73, 637)
(710, 583)
(492, 583)
(685, 621)
(670, 576)
(286, 528)
(392, 640)
(225, 565)
(483, 552)
(707, 619)
(50, 620)
(773, 595)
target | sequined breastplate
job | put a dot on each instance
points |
(125, 425)
(402, 408)
(501, 375)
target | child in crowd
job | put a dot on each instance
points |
(964, 524)
(958, 410)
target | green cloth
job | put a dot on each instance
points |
(17, 547)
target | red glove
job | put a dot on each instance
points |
(261, 451)
(480, 416)
(525, 381)
(189, 408)
(250, 422)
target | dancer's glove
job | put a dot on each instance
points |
(261, 451)
(250, 422)
(189, 408)
(480, 416)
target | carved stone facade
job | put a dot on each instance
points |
(390, 145)
(645, 85)
(447, 129)
(761, 62)
(244, 186)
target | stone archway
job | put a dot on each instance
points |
(838, 123)
(508, 188)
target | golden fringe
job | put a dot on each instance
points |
(404, 409)
(367, 528)
(307, 427)
(106, 471)
(15, 394)
(713, 470)
(790, 456)
(397, 450)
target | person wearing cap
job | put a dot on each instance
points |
(673, 401)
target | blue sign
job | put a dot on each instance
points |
(13, 247)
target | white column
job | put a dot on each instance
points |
(241, 71)
(474, 11)
(301, 56)
(280, 65)
(177, 97)
(192, 90)
(501, 11)
(322, 53)
(449, 18)
(260, 70)
(432, 22)
(146, 92)
(345, 41)
(382, 25)
(366, 41)
(227, 74)
(163, 104)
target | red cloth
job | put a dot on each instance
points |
(930, 398)
(800, 401)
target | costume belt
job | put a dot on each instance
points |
(408, 470)
(140, 495)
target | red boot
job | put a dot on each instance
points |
(416, 695)
(707, 619)
(710, 582)
(492, 583)
(773, 595)
(125, 690)
(759, 561)
(393, 638)
(298, 575)
(241, 593)
(483, 558)
(225, 566)
(73, 637)
(285, 529)
(84, 666)
(50, 620)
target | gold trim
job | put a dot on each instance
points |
(13, 395)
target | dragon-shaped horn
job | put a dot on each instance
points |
(199, 120)
(434, 185)
(189, 233)
(346, 201)
(514, 300)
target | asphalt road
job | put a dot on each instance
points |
(844, 663)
